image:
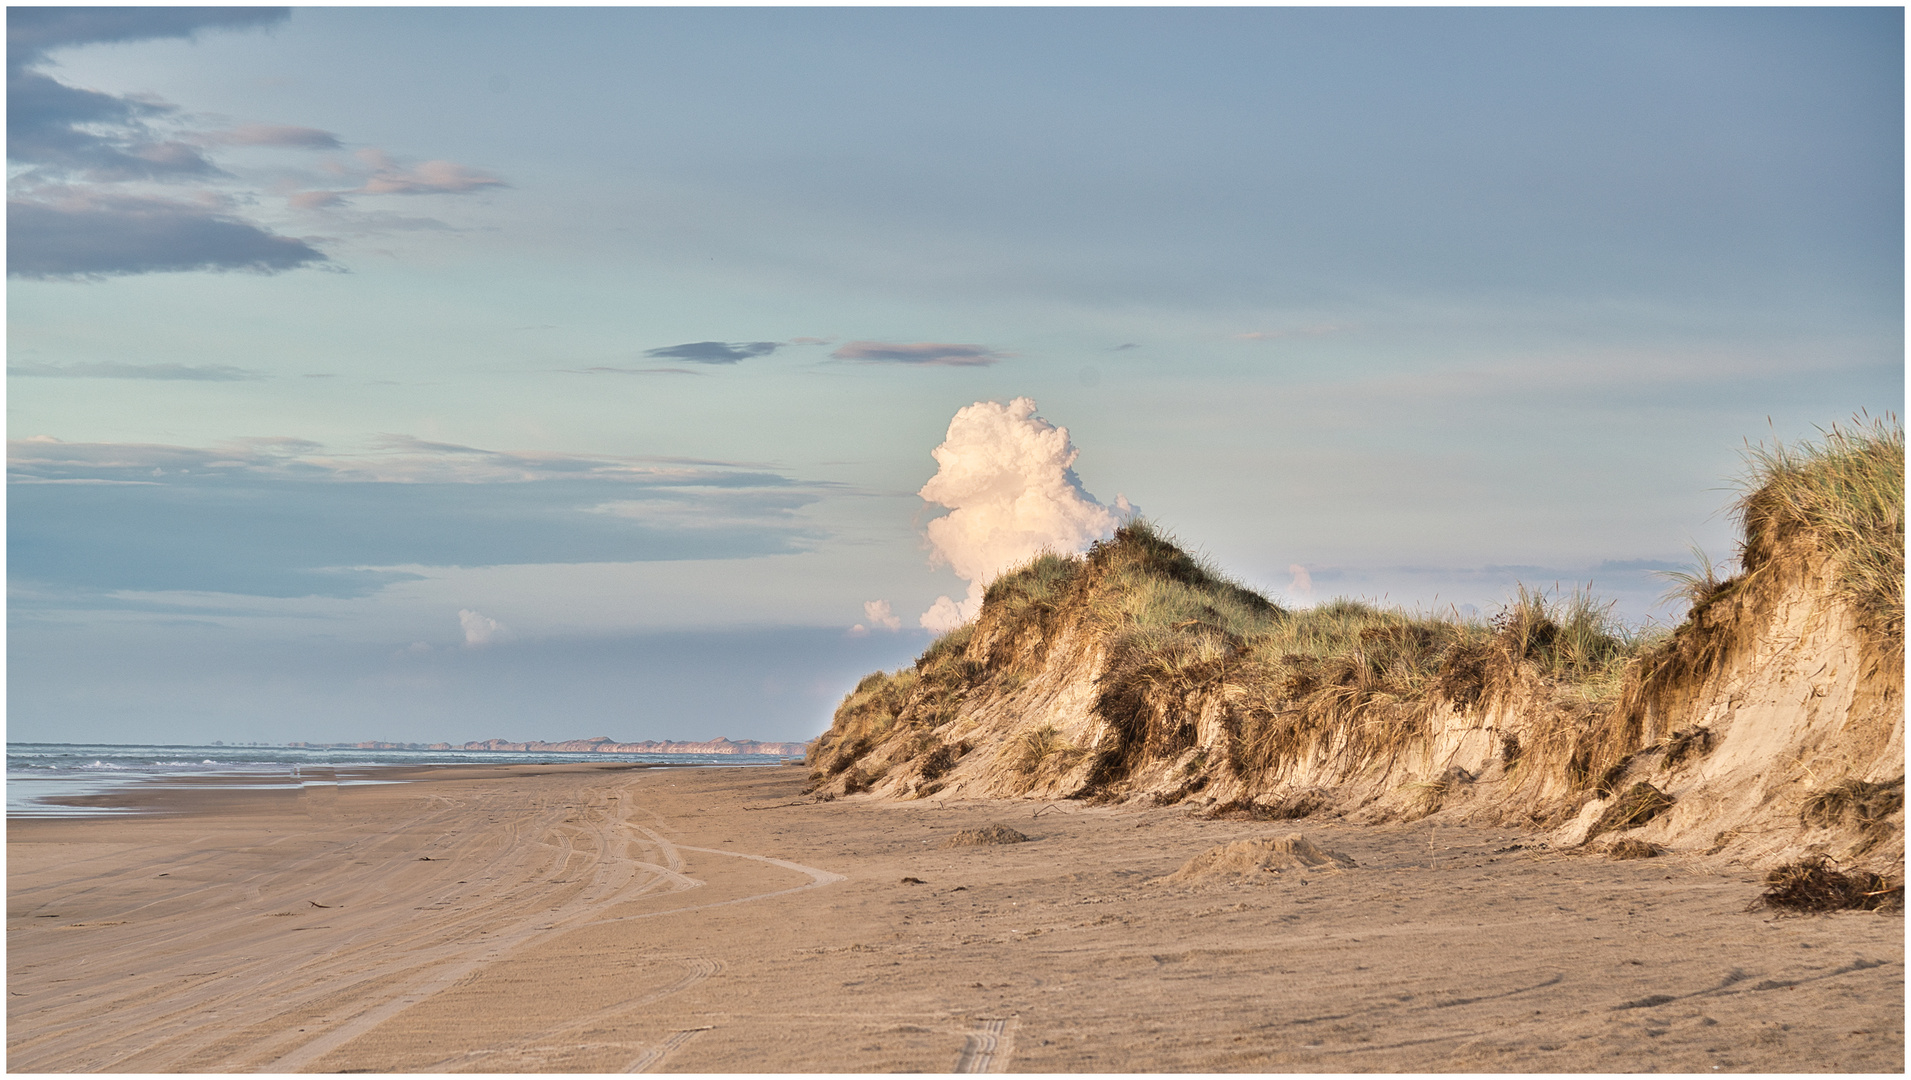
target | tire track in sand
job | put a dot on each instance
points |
(987, 1048)
(702, 968)
(655, 1056)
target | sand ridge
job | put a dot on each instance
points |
(596, 919)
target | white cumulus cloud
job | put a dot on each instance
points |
(879, 613)
(1007, 477)
(479, 630)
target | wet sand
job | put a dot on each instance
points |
(605, 919)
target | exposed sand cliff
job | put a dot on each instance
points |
(1768, 726)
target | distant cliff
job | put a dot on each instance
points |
(1769, 725)
(603, 744)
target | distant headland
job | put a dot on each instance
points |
(602, 744)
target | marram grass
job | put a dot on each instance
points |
(1845, 493)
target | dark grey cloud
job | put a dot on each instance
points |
(32, 32)
(61, 130)
(281, 518)
(715, 352)
(68, 147)
(99, 236)
(64, 141)
(927, 353)
(107, 369)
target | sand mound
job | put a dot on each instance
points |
(1248, 858)
(988, 834)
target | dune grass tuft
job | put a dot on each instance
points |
(1702, 583)
(1845, 493)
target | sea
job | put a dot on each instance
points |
(43, 777)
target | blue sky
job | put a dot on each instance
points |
(627, 333)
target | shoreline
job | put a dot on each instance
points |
(48, 780)
(211, 794)
(603, 917)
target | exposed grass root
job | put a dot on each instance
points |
(1641, 803)
(1858, 804)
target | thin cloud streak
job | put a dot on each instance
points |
(394, 459)
(924, 353)
(111, 370)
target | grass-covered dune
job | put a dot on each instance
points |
(1138, 671)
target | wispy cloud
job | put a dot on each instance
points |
(633, 371)
(388, 177)
(1275, 335)
(928, 353)
(392, 459)
(287, 517)
(112, 370)
(271, 135)
(715, 352)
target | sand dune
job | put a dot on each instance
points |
(592, 918)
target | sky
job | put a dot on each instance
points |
(453, 373)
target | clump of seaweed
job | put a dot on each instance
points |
(1639, 804)
(1812, 885)
(1630, 848)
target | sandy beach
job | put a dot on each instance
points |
(605, 919)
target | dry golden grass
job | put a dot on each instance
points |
(1037, 747)
(1846, 494)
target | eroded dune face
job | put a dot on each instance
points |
(1769, 726)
